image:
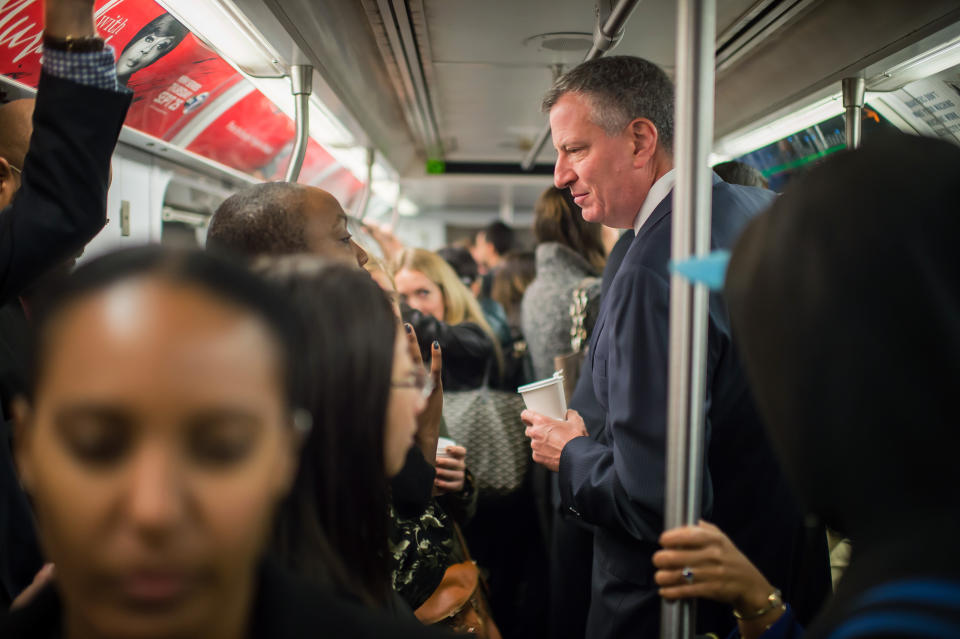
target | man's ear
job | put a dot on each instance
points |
(22, 435)
(644, 136)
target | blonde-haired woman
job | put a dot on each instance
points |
(442, 309)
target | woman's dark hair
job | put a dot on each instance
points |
(216, 276)
(165, 26)
(735, 172)
(848, 323)
(511, 280)
(462, 262)
(558, 219)
(340, 493)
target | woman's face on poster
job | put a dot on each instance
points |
(144, 52)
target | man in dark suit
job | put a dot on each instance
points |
(53, 200)
(612, 122)
(571, 541)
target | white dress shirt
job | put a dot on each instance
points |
(658, 191)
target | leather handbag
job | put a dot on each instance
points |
(487, 422)
(460, 602)
(570, 363)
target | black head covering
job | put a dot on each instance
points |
(845, 299)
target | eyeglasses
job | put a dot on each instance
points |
(419, 379)
(19, 171)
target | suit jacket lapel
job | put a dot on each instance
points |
(664, 208)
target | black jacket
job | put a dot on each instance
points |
(284, 608)
(63, 201)
(467, 350)
(58, 209)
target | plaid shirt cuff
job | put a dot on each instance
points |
(96, 69)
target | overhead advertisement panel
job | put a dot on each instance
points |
(931, 105)
(174, 77)
(253, 136)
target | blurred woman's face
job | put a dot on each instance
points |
(420, 293)
(405, 403)
(144, 52)
(155, 452)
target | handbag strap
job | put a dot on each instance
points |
(578, 314)
(463, 542)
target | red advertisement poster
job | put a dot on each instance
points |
(316, 163)
(171, 73)
(168, 69)
(21, 37)
(252, 136)
(173, 76)
(343, 185)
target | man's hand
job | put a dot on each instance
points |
(428, 422)
(549, 436)
(451, 471)
(64, 18)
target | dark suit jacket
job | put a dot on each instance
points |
(584, 399)
(618, 483)
(58, 209)
(63, 201)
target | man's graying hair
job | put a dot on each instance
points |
(621, 89)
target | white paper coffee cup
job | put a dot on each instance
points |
(546, 396)
(442, 444)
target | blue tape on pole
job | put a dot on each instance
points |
(710, 269)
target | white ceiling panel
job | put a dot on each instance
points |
(448, 194)
(486, 110)
(493, 31)
(490, 79)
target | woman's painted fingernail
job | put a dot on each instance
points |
(408, 328)
(436, 344)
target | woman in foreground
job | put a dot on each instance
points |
(156, 441)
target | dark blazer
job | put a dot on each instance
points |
(584, 399)
(618, 483)
(58, 209)
(63, 201)
(571, 544)
(284, 608)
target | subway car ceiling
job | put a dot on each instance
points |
(446, 93)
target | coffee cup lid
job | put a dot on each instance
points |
(543, 383)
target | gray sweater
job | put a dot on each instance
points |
(545, 312)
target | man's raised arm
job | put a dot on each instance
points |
(59, 203)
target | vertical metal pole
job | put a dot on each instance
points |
(693, 125)
(367, 187)
(853, 93)
(301, 86)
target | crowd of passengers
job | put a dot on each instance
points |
(252, 440)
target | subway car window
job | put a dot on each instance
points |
(784, 159)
